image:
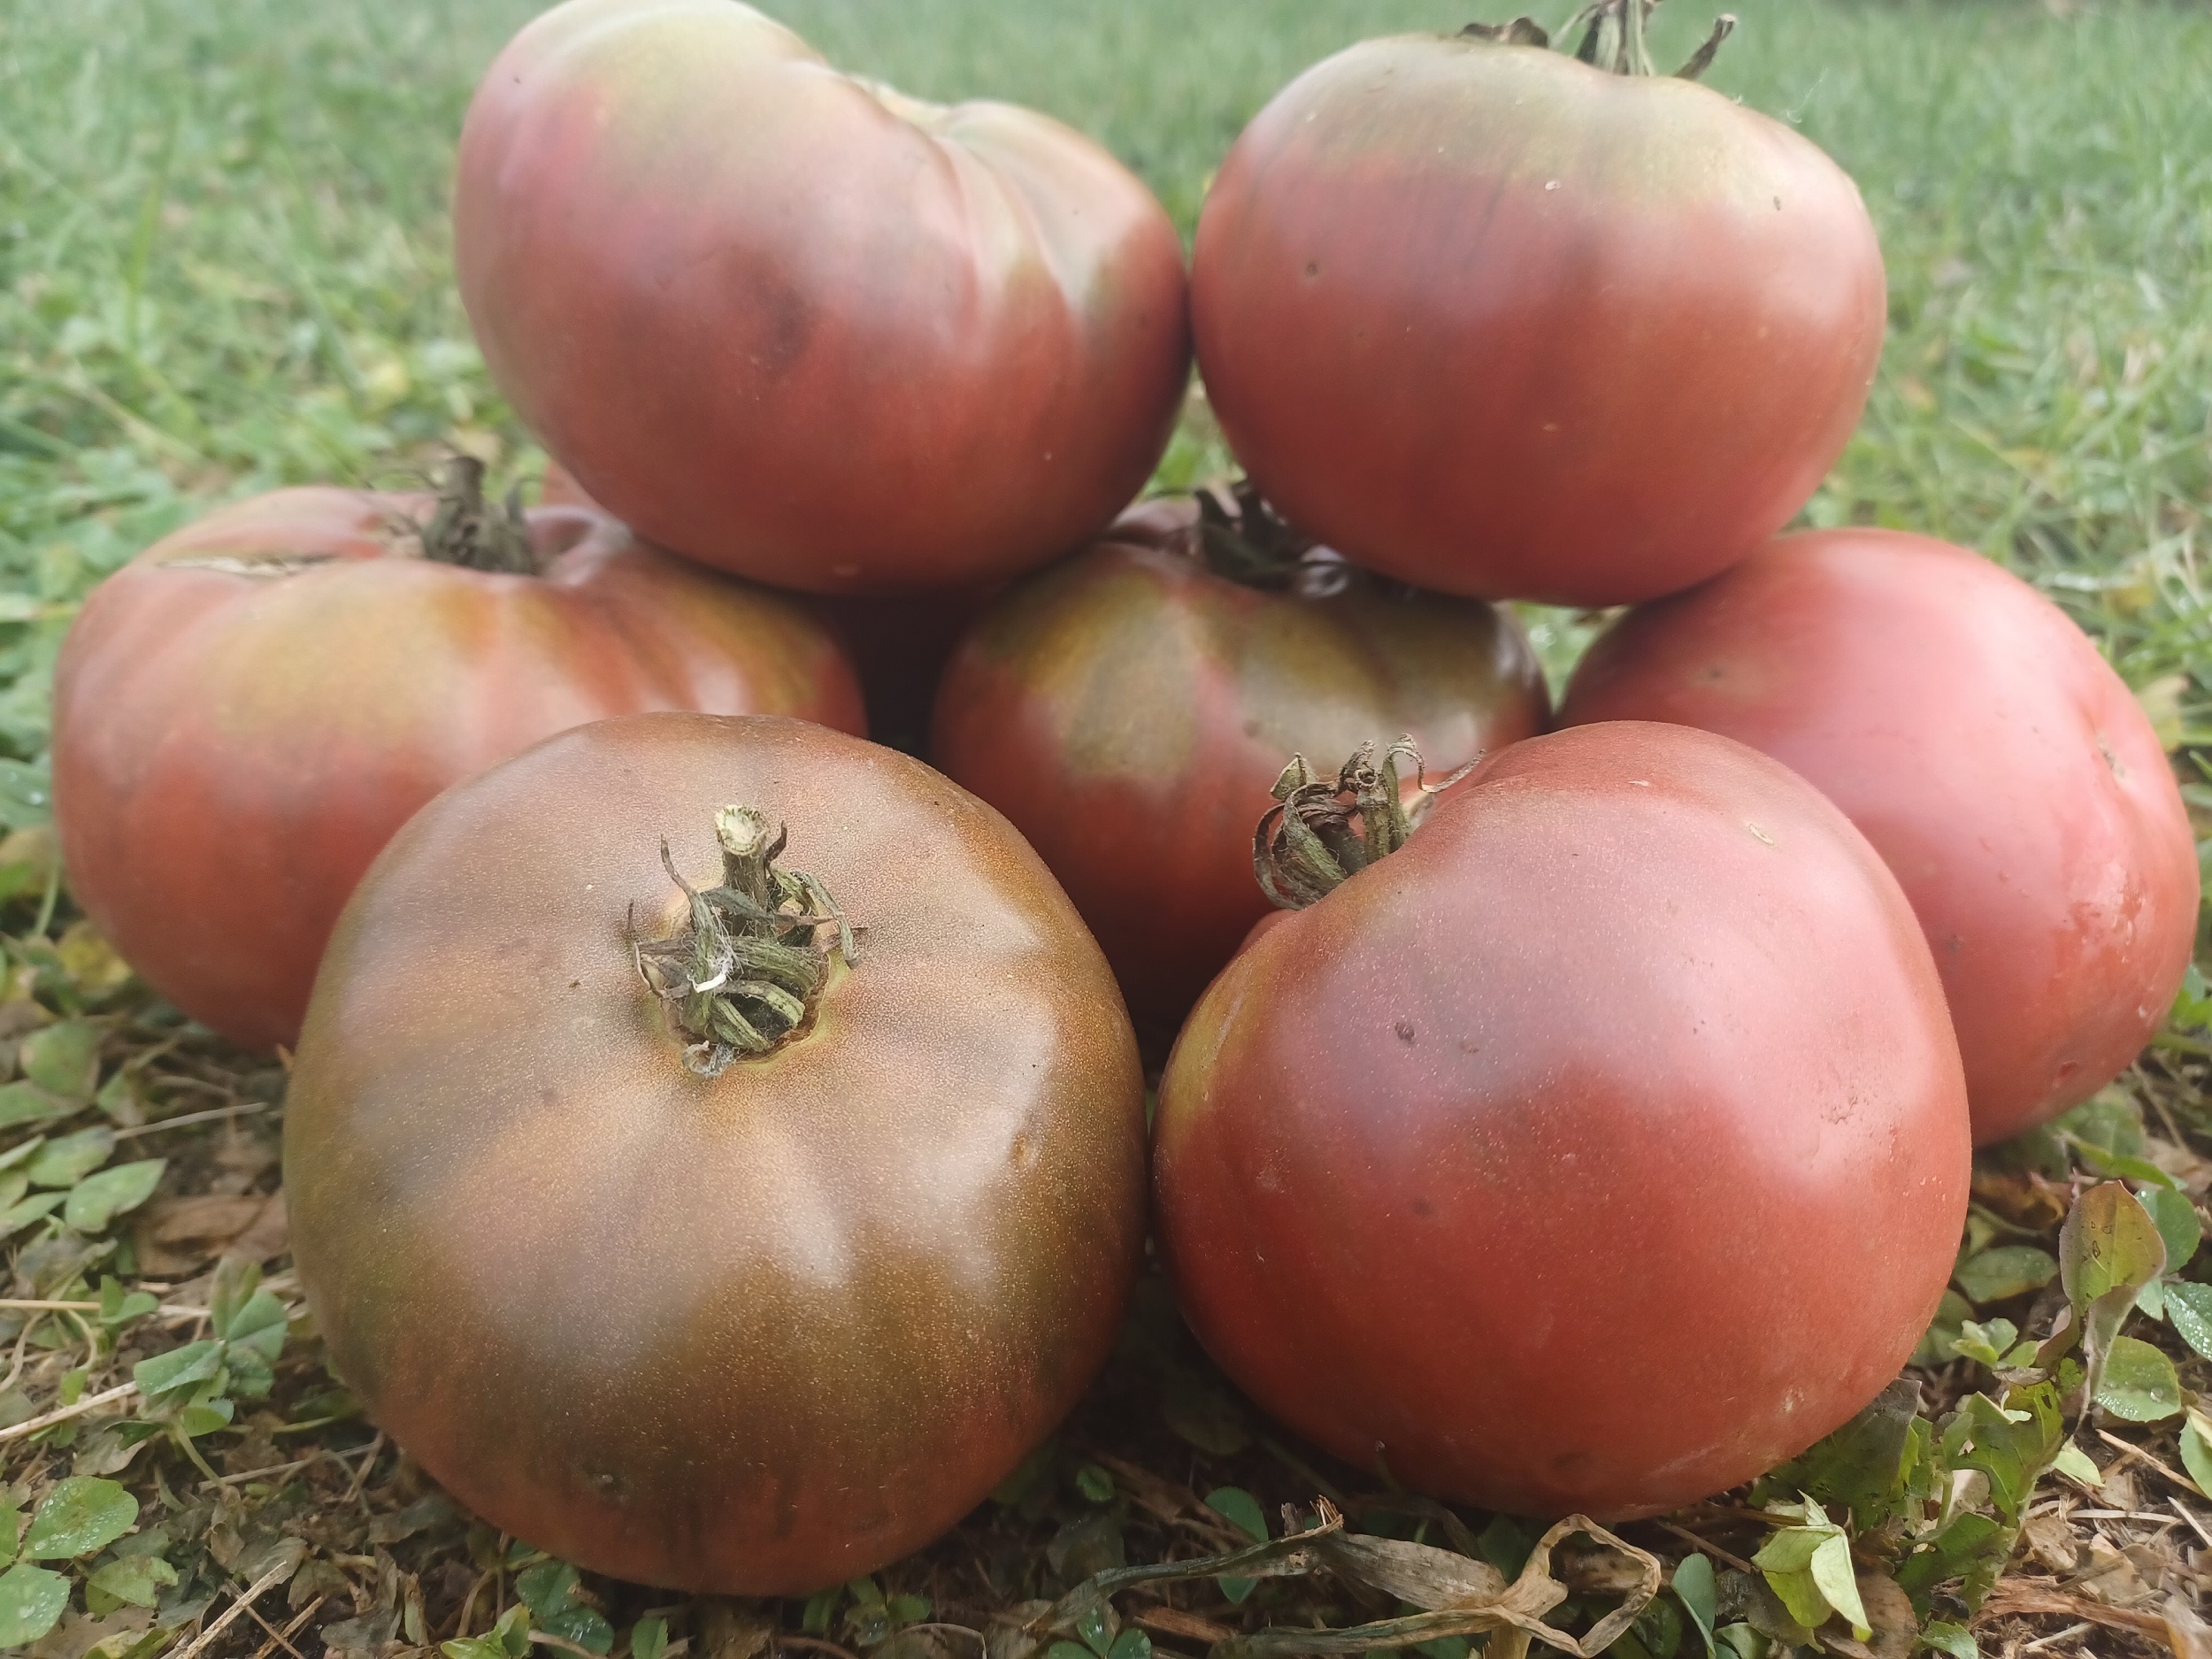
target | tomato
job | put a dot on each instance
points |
(898, 644)
(1989, 753)
(1496, 322)
(794, 323)
(244, 714)
(749, 1324)
(1131, 708)
(1599, 1149)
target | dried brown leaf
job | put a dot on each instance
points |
(175, 1235)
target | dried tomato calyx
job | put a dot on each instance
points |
(467, 530)
(741, 977)
(1240, 537)
(1324, 830)
(1612, 37)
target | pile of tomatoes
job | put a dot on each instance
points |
(718, 1145)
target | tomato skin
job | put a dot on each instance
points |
(1663, 316)
(754, 1334)
(1993, 758)
(1130, 710)
(1599, 1149)
(236, 734)
(845, 342)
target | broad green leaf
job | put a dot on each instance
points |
(1831, 1569)
(2139, 1384)
(2074, 1463)
(80, 1515)
(237, 1280)
(1950, 1639)
(2011, 1443)
(11, 1524)
(1068, 1650)
(1657, 1629)
(1874, 1465)
(2120, 1166)
(1095, 1483)
(2004, 1271)
(31, 1603)
(1800, 1566)
(908, 1609)
(21, 1153)
(179, 1369)
(1697, 1595)
(27, 799)
(1131, 1644)
(1091, 1626)
(1987, 1344)
(1971, 1546)
(138, 1579)
(648, 1639)
(64, 1059)
(1242, 1511)
(27, 1103)
(2178, 1225)
(68, 1159)
(2189, 1311)
(2109, 1244)
(17, 1217)
(1800, 1594)
(509, 1638)
(119, 1306)
(548, 1591)
(251, 1377)
(204, 1417)
(2196, 1451)
(1936, 1345)
(258, 1326)
(98, 1199)
(2109, 1120)
(2109, 1249)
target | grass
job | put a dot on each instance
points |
(224, 265)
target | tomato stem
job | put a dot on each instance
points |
(1613, 38)
(1322, 831)
(743, 975)
(469, 531)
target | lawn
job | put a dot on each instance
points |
(225, 264)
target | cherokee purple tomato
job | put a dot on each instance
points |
(1990, 754)
(1597, 1150)
(788, 322)
(1495, 322)
(245, 713)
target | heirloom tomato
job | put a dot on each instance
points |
(1498, 322)
(1991, 754)
(1130, 709)
(897, 643)
(246, 712)
(1598, 1149)
(706, 1224)
(790, 322)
